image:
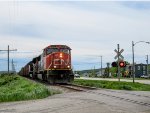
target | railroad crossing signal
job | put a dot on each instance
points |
(119, 54)
(122, 64)
(114, 64)
(119, 57)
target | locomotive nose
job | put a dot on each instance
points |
(59, 55)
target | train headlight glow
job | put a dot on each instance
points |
(60, 55)
(54, 66)
(68, 66)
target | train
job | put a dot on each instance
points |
(52, 65)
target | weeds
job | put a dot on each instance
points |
(114, 85)
(15, 88)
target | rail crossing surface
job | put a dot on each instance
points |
(90, 101)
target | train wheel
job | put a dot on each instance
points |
(51, 80)
(34, 76)
(44, 76)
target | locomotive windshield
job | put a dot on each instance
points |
(53, 50)
(65, 51)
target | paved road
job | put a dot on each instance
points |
(146, 81)
(92, 101)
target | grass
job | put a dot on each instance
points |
(113, 85)
(15, 88)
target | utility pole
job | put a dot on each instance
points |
(13, 66)
(101, 66)
(8, 58)
(108, 69)
(8, 50)
(147, 64)
(94, 72)
(133, 67)
(118, 55)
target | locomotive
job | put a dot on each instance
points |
(53, 65)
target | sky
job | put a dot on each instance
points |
(91, 28)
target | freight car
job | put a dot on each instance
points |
(53, 65)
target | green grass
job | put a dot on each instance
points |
(113, 85)
(15, 88)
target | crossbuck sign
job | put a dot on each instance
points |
(119, 54)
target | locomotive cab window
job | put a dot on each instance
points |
(65, 51)
(52, 50)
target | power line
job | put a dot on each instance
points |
(3, 60)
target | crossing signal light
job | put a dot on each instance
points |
(122, 64)
(114, 64)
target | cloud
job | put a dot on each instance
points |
(93, 28)
(138, 5)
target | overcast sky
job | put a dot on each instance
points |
(91, 29)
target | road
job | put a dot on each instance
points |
(91, 101)
(146, 81)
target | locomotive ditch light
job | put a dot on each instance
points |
(68, 66)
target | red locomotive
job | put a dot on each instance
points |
(53, 65)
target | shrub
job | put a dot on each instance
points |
(15, 88)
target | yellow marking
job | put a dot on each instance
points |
(58, 69)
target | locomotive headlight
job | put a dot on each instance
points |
(68, 66)
(60, 55)
(54, 66)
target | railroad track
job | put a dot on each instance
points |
(84, 88)
(121, 98)
(77, 87)
(87, 89)
(71, 87)
(138, 95)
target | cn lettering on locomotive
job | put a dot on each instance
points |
(53, 65)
